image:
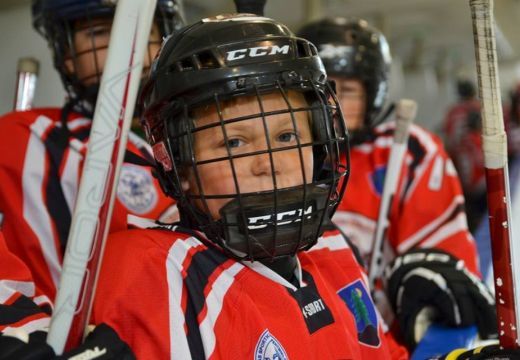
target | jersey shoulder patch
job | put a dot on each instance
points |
(361, 306)
(136, 189)
(268, 347)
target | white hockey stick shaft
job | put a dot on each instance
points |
(405, 112)
(106, 148)
(504, 250)
(27, 77)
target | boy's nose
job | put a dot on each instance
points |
(263, 166)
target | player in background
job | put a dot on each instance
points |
(462, 136)
(427, 217)
(43, 149)
(249, 140)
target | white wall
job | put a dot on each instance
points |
(20, 40)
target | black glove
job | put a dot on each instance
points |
(490, 352)
(431, 281)
(32, 347)
(103, 341)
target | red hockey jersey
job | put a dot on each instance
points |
(22, 304)
(39, 176)
(464, 145)
(171, 296)
(428, 210)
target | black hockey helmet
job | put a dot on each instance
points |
(466, 89)
(351, 48)
(230, 57)
(54, 20)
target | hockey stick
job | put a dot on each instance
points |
(27, 76)
(405, 112)
(497, 180)
(108, 137)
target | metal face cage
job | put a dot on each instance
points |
(287, 213)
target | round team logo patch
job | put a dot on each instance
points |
(136, 189)
(268, 348)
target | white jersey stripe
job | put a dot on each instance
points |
(336, 242)
(70, 178)
(419, 235)
(77, 123)
(447, 230)
(214, 302)
(179, 348)
(34, 210)
(9, 287)
(31, 326)
(42, 299)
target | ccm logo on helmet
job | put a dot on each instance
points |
(256, 51)
(330, 51)
(282, 218)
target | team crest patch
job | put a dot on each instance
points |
(378, 179)
(136, 189)
(268, 348)
(361, 306)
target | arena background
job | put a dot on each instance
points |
(431, 43)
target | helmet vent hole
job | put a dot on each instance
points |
(207, 60)
(303, 49)
(187, 64)
(314, 51)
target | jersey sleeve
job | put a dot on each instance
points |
(430, 211)
(22, 306)
(27, 223)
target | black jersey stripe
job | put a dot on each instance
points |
(418, 153)
(22, 308)
(56, 145)
(202, 266)
(82, 134)
(193, 336)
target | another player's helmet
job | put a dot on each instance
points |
(224, 58)
(54, 20)
(466, 89)
(351, 48)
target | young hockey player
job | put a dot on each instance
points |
(251, 143)
(462, 133)
(427, 213)
(43, 149)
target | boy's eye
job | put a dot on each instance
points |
(98, 30)
(287, 137)
(234, 143)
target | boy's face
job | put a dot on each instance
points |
(352, 98)
(253, 172)
(91, 38)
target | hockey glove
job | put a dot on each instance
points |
(23, 346)
(490, 352)
(102, 344)
(432, 284)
